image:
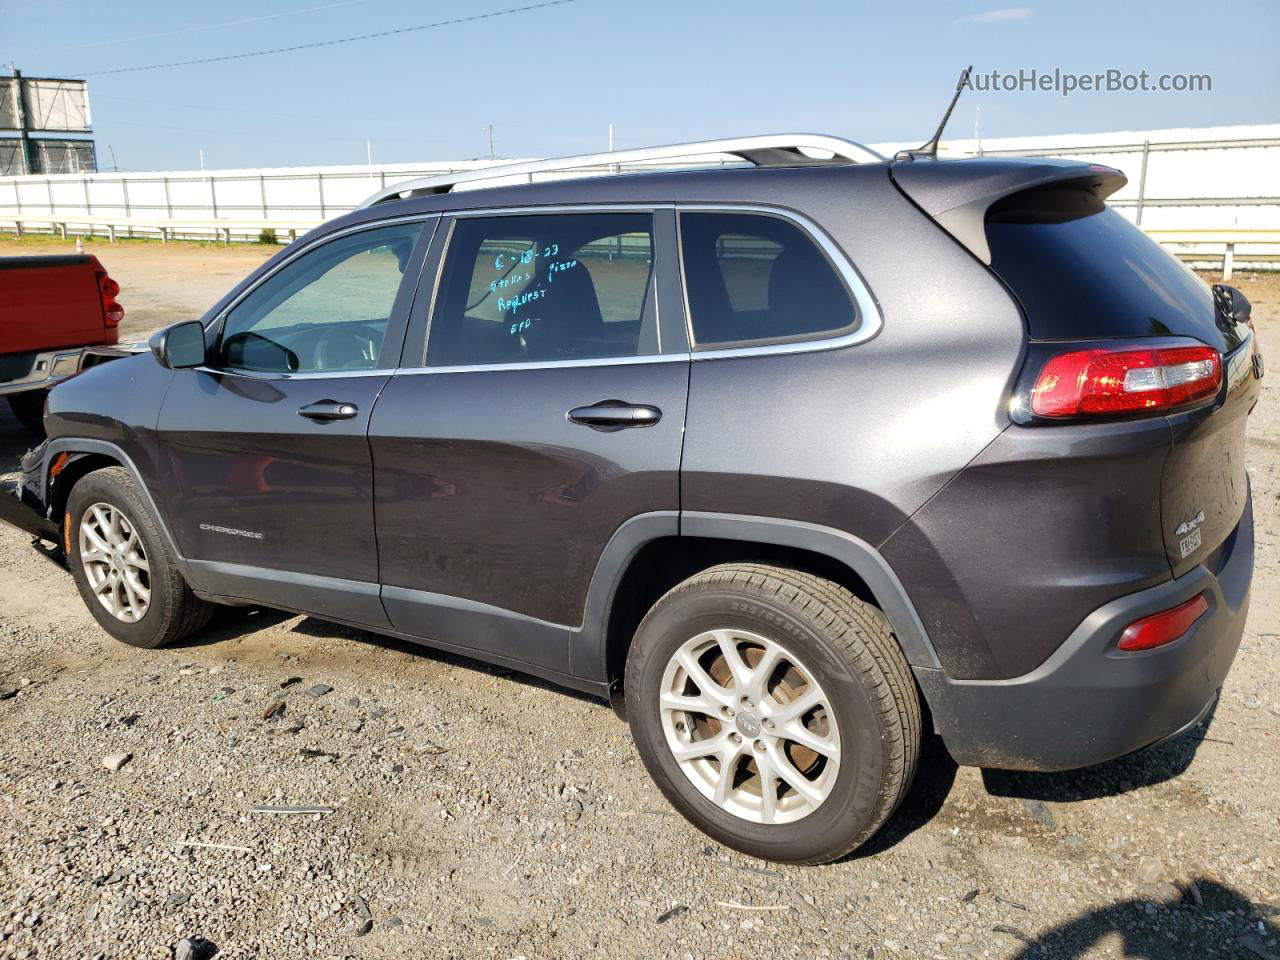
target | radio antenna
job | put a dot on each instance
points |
(930, 149)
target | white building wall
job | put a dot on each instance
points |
(1207, 178)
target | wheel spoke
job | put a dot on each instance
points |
(797, 733)
(94, 537)
(793, 777)
(100, 517)
(768, 788)
(728, 765)
(758, 684)
(705, 684)
(786, 712)
(117, 598)
(673, 701)
(733, 660)
(701, 748)
(133, 594)
(96, 555)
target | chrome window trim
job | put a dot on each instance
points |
(868, 311)
(307, 375)
(598, 207)
(547, 364)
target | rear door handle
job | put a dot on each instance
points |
(325, 411)
(611, 415)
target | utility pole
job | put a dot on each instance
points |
(611, 138)
(491, 141)
(25, 154)
(202, 159)
(368, 149)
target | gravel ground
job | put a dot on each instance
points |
(471, 812)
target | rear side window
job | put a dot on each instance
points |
(1082, 271)
(759, 279)
(520, 289)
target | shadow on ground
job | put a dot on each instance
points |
(235, 623)
(1208, 920)
(936, 775)
(1143, 769)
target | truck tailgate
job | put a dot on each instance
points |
(49, 302)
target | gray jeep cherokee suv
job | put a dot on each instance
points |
(789, 459)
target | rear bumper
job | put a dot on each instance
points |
(46, 369)
(1089, 703)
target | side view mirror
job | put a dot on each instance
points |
(181, 346)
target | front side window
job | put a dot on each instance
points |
(326, 311)
(545, 287)
(758, 279)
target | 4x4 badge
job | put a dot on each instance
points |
(1188, 525)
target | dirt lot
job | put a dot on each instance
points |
(477, 813)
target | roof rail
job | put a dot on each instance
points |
(780, 149)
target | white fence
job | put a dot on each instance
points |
(1196, 189)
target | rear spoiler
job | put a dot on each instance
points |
(958, 193)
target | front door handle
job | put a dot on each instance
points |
(611, 415)
(326, 411)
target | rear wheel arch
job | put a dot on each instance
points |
(636, 574)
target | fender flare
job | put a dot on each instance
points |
(83, 445)
(590, 653)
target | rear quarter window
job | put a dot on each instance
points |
(755, 279)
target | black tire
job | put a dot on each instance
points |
(28, 408)
(174, 611)
(847, 647)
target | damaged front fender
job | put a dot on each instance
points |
(21, 503)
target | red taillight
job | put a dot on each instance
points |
(1125, 381)
(111, 311)
(1165, 627)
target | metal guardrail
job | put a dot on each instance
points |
(167, 229)
(1222, 242)
(1228, 239)
(328, 193)
(316, 194)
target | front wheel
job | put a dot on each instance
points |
(126, 575)
(774, 710)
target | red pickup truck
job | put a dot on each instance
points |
(51, 309)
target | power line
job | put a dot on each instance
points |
(196, 29)
(329, 43)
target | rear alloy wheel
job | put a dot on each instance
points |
(774, 710)
(749, 726)
(126, 574)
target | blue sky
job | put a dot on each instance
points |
(552, 80)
